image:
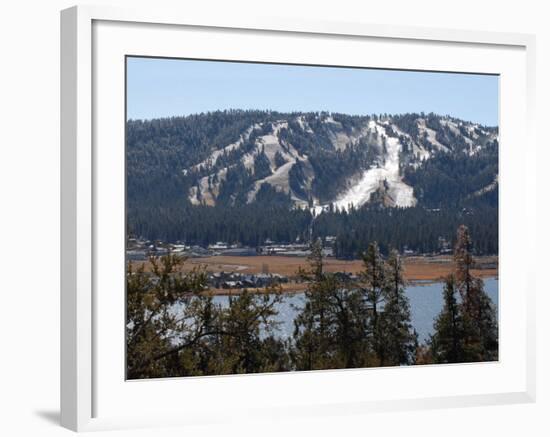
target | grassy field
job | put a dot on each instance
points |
(415, 268)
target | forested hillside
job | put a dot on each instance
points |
(242, 177)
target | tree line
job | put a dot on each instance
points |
(174, 327)
(271, 217)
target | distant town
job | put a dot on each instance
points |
(141, 249)
(236, 267)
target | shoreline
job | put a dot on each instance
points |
(301, 289)
(418, 270)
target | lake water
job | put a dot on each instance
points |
(426, 301)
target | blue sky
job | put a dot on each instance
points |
(173, 87)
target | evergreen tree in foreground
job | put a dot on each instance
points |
(389, 327)
(400, 337)
(329, 330)
(174, 328)
(372, 285)
(465, 331)
(447, 343)
(343, 324)
(481, 329)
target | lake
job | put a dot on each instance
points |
(426, 301)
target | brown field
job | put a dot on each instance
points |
(423, 269)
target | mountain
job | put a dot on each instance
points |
(319, 159)
(305, 165)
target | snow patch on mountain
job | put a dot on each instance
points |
(486, 189)
(278, 180)
(430, 135)
(340, 140)
(400, 194)
(304, 125)
(271, 144)
(207, 192)
(213, 158)
(331, 120)
(418, 150)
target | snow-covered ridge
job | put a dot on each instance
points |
(399, 194)
(393, 149)
(486, 189)
(213, 158)
(270, 144)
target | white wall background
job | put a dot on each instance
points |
(29, 213)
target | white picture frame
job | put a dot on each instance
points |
(86, 376)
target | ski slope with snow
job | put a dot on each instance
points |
(393, 145)
(399, 193)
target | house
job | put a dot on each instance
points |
(231, 284)
(220, 245)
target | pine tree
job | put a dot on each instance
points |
(372, 284)
(330, 328)
(468, 285)
(311, 326)
(466, 331)
(400, 337)
(447, 342)
(247, 317)
(481, 329)
(201, 338)
(315, 259)
(149, 322)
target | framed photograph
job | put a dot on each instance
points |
(291, 218)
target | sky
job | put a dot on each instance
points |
(174, 87)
